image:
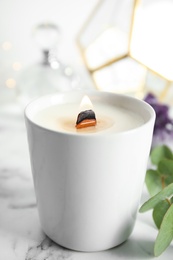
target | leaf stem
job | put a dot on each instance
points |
(168, 200)
(163, 186)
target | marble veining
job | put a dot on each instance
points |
(21, 236)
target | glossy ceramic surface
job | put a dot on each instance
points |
(88, 186)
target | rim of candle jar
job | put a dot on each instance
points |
(59, 96)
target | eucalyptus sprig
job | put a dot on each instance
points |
(159, 182)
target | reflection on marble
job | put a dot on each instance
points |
(21, 237)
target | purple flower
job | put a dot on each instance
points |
(163, 128)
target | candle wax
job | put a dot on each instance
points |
(109, 118)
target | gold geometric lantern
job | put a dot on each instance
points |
(123, 40)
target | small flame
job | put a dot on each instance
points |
(86, 103)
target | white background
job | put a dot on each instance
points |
(18, 18)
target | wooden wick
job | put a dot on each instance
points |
(85, 119)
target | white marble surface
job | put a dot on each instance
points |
(21, 236)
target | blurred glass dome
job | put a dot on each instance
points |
(50, 75)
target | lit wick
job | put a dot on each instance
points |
(87, 117)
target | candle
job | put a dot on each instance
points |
(88, 181)
(110, 118)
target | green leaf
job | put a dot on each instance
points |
(160, 211)
(159, 153)
(153, 182)
(165, 167)
(165, 234)
(162, 195)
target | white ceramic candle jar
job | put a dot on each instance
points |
(88, 184)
